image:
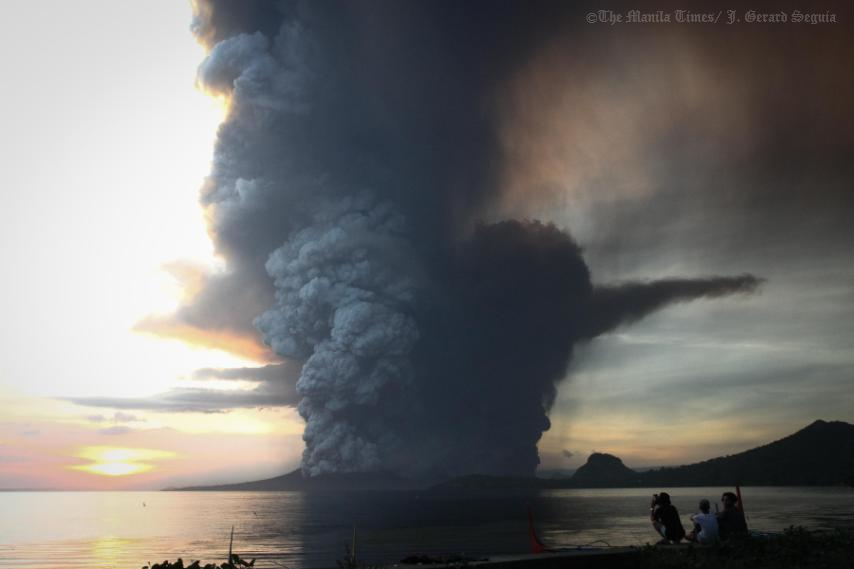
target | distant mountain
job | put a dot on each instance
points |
(604, 471)
(297, 481)
(821, 454)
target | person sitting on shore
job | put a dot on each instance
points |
(705, 525)
(731, 523)
(665, 519)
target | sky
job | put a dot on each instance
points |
(140, 247)
(106, 143)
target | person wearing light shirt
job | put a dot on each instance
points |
(705, 525)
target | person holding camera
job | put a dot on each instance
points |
(665, 519)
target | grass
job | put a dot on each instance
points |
(235, 563)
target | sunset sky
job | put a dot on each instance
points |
(688, 153)
(106, 144)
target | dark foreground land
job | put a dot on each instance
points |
(796, 548)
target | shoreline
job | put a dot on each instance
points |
(794, 547)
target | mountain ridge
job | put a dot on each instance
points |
(822, 453)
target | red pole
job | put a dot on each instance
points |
(536, 545)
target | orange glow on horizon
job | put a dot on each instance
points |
(115, 468)
(116, 461)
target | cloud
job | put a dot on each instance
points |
(115, 430)
(197, 400)
(120, 417)
(626, 303)
(286, 372)
(217, 311)
(241, 342)
(117, 417)
(276, 388)
(215, 20)
(353, 198)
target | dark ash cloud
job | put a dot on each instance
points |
(350, 183)
(519, 298)
(613, 305)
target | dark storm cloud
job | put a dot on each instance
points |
(359, 153)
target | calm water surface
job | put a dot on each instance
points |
(63, 530)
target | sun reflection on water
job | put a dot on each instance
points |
(108, 551)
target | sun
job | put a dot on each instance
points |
(116, 461)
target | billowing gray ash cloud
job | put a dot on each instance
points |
(347, 180)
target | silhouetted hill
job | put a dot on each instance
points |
(296, 481)
(606, 471)
(819, 454)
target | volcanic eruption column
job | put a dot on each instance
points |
(355, 156)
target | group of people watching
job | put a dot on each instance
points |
(709, 528)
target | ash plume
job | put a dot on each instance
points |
(345, 304)
(347, 184)
(628, 302)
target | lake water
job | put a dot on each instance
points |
(59, 530)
